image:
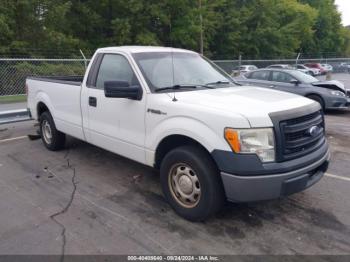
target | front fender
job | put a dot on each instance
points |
(209, 138)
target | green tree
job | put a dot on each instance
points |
(328, 30)
(253, 28)
(263, 28)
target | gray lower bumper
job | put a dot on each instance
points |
(265, 187)
(338, 103)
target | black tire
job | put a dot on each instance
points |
(212, 197)
(58, 138)
(319, 100)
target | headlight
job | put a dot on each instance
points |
(337, 93)
(259, 141)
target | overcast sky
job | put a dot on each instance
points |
(344, 9)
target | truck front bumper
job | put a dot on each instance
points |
(245, 188)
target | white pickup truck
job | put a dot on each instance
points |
(211, 139)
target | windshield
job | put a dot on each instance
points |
(166, 69)
(304, 78)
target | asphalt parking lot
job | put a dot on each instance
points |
(85, 200)
(116, 206)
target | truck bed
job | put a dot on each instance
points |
(68, 80)
(61, 94)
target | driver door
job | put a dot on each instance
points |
(116, 124)
(282, 81)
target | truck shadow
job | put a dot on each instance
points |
(138, 195)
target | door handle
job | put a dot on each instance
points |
(92, 101)
(272, 86)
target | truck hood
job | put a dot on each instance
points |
(333, 84)
(253, 103)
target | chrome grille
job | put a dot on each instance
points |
(297, 138)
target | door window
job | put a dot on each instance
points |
(260, 75)
(281, 77)
(115, 68)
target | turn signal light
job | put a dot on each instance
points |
(232, 139)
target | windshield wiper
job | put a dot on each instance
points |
(233, 81)
(224, 82)
(236, 83)
(177, 87)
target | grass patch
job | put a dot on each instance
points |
(13, 99)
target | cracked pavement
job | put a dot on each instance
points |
(65, 209)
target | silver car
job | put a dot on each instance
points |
(328, 67)
(330, 94)
(305, 70)
(280, 66)
(243, 69)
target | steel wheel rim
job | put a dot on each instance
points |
(46, 131)
(184, 185)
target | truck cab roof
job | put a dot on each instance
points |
(142, 49)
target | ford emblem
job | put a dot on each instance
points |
(313, 131)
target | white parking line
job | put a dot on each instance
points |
(12, 139)
(338, 177)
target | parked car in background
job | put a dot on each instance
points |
(322, 71)
(345, 67)
(329, 94)
(328, 67)
(315, 71)
(305, 69)
(243, 69)
(280, 66)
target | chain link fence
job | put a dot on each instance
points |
(14, 71)
(340, 65)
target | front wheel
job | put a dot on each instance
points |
(191, 183)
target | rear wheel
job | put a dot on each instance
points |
(191, 183)
(52, 138)
(318, 99)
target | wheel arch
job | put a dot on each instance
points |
(178, 131)
(42, 103)
(317, 95)
(171, 142)
(41, 107)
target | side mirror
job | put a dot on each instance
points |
(295, 82)
(122, 89)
